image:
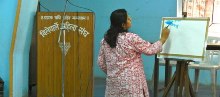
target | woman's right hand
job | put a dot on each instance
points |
(164, 35)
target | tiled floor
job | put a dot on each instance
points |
(99, 89)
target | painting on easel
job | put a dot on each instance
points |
(187, 39)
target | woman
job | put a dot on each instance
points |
(120, 57)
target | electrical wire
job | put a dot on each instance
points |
(78, 59)
(44, 7)
(79, 6)
(62, 32)
(78, 62)
(80, 71)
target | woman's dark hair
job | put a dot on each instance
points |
(117, 18)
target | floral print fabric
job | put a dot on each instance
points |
(124, 67)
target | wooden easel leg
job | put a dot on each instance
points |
(190, 87)
(196, 82)
(168, 70)
(156, 75)
(187, 82)
(182, 74)
(187, 90)
(167, 89)
(182, 80)
(176, 87)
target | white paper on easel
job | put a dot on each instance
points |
(187, 39)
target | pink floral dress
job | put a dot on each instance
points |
(124, 67)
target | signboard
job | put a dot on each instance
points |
(78, 48)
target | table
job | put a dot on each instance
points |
(181, 73)
(213, 47)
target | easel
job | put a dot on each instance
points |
(180, 77)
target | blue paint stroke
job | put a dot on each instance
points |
(172, 23)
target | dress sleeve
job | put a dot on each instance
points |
(101, 58)
(145, 47)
